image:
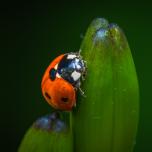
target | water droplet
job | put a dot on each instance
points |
(120, 68)
(121, 47)
(115, 88)
(134, 143)
(133, 111)
(124, 90)
(101, 34)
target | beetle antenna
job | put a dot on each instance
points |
(79, 51)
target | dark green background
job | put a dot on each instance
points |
(37, 32)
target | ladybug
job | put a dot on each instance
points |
(62, 79)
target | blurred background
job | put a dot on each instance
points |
(37, 32)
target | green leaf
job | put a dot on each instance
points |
(106, 119)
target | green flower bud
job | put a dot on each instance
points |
(48, 134)
(106, 119)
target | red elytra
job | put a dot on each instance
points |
(59, 93)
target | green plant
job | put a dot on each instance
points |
(50, 133)
(106, 119)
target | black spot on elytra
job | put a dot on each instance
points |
(52, 74)
(47, 95)
(64, 99)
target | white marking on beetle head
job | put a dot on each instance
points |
(75, 75)
(71, 56)
(78, 66)
(77, 60)
(56, 66)
(57, 75)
